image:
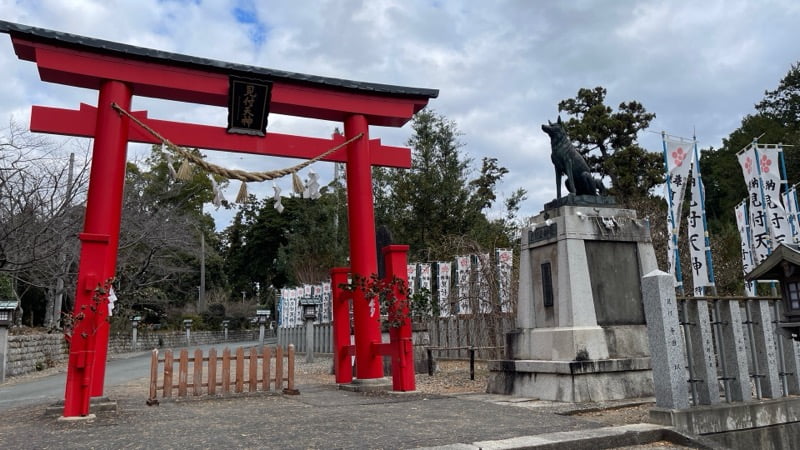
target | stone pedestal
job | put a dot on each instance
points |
(581, 332)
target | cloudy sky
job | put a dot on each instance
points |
(501, 66)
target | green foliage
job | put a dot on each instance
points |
(186, 195)
(783, 104)
(423, 307)
(252, 244)
(777, 120)
(299, 245)
(608, 141)
(437, 197)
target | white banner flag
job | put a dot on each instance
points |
(747, 254)
(291, 308)
(317, 288)
(282, 309)
(463, 268)
(756, 208)
(425, 276)
(443, 291)
(426, 280)
(481, 263)
(327, 306)
(678, 158)
(697, 239)
(300, 292)
(769, 165)
(411, 272)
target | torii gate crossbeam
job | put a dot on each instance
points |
(119, 72)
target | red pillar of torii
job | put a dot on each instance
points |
(120, 72)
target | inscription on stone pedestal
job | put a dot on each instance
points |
(542, 233)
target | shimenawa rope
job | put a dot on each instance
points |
(235, 174)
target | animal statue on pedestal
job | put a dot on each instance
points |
(569, 162)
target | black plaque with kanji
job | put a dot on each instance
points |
(248, 105)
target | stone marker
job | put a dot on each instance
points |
(666, 347)
(735, 349)
(766, 352)
(702, 348)
(791, 355)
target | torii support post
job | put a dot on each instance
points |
(99, 241)
(396, 261)
(342, 349)
(363, 261)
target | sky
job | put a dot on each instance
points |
(501, 66)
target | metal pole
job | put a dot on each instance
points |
(133, 338)
(261, 334)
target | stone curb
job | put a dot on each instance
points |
(593, 439)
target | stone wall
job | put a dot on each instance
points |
(32, 352)
(122, 343)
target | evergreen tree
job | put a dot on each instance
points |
(608, 141)
(776, 121)
(436, 198)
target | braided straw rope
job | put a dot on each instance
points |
(234, 174)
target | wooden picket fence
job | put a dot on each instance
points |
(246, 372)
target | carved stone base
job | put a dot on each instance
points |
(572, 381)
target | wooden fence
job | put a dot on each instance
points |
(246, 372)
(483, 332)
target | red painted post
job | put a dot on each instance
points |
(83, 339)
(363, 263)
(113, 129)
(89, 343)
(395, 262)
(342, 365)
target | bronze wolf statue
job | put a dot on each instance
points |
(569, 162)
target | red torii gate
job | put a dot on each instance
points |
(120, 71)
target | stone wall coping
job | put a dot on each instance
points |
(708, 419)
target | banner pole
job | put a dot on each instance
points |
(709, 262)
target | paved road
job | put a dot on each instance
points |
(120, 369)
